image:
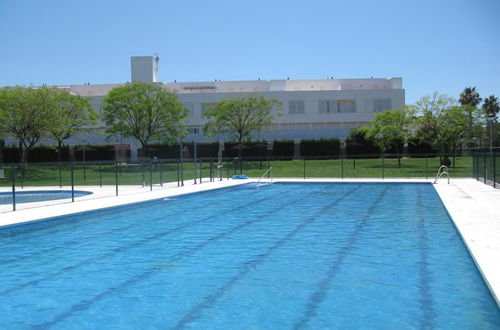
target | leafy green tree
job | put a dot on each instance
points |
(144, 111)
(237, 118)
(392, 128)
(454, 132)
(443, 123)
(432, 109)
(360, 142)
(72, 113)
(28, 115)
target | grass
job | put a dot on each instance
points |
(136, 174)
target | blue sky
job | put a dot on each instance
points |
(439, 46)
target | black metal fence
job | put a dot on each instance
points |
(486, 166)
(157, 173)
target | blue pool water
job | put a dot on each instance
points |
(283, 256)
(39, 195)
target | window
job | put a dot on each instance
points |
(346, 106)
(296, 106)
(381, 105)
(327, 106)
(193, 130)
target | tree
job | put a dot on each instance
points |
(432, 109)
(28, 115)
(491, 106)
(392, 128)
(469, 99)
(144, 111)
(360, 141)
(443, 123)
(71, 114)
(237, 118)
(491, 109)
(456, 119)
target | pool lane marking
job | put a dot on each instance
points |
(427, 321)
(195, 312)
(321, 292)
(80, 224)
(83, 305)
(133, 245)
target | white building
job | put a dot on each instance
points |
(322, 108)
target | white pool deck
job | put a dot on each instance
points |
(474, 207)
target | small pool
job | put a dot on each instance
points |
(39, 195)
(283, 256)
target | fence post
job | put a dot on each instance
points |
(383, 177)
(100, 176)
(161, 174)
(23, 173)
(354, 163)
(143, 179)
(13, 188)
(211, 170)
(60, 176)
(304, 168)
(194, 161)
(116, 177)
(72, 182)
(181, 169)
(485, 173)
(150, 175)
(426, 167)
(201, 170)
(342, 168)
(476, 160)
(494, 172)
(178, 174)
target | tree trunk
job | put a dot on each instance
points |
(20, 152)
(145, 150)
(24, 156)
(59, 147)
(398, 155)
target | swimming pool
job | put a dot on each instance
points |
(39, 195)
(321, 255)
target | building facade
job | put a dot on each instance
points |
(312, 109)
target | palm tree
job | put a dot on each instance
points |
(470, 97)
(491, 108)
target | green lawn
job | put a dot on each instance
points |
(136, 174)
(360, 168)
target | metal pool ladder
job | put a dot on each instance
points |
(263, 175)
(443, 170)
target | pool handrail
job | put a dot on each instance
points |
(442, 171)
(263, 175)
